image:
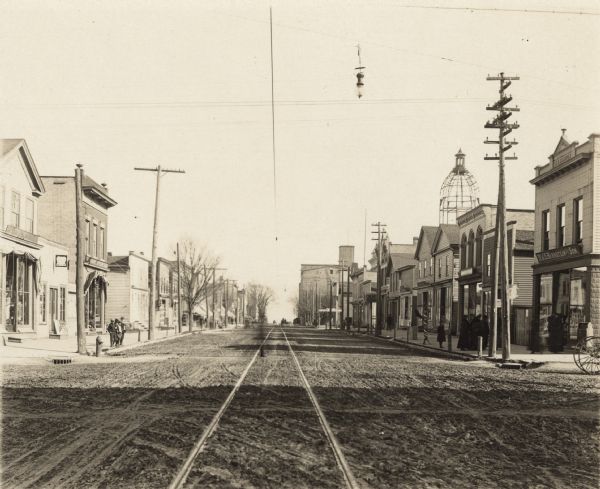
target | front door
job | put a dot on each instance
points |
(54, 324)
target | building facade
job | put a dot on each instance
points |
(129, 289)
(445, 254)
(57, 221)
(566, 269)
(33, 269)
(477, 229)
(318, 288)
(425, 275)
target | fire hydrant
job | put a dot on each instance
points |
(99, 345)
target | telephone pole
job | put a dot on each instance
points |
(159, 172)
(214, 287)
(179, 315)
(504, 127)
(80, 257)
(380, 232)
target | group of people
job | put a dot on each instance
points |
(470, 330)
(116, 330)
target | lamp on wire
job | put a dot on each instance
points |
(359, 76)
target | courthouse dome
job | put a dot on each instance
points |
(459, 192)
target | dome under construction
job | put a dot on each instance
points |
(459, 192)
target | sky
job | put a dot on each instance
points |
(187, 85)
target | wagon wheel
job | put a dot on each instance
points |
(587, 355)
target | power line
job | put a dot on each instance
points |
(503, 10)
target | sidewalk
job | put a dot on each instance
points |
(518, 353)
(41, 350)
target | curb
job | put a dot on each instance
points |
(147, 342)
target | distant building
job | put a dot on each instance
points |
(425, 275)
(566, 269)
(57, 210)
(445, 254)
(395, 258)
(318, 289)
(459, 192)
(129, 289)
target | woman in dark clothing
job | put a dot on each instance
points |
(441, 332)
(485, 330)
(463, 335)
(555, 330)
(475, 332)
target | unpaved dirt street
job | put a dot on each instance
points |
(402, 419)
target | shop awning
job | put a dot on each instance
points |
(37, 269)
(101, 281)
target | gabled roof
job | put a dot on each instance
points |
(562, 143)
(400, 260)
(450, 232)
(118, 263)
(427, 235)
(402, 248)
(524, 239)
(11, 146)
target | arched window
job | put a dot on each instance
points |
(471, 251)
(463, 252)
(478, 247)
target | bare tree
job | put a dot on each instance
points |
(196, 269)
(258, 299)
(302, 307)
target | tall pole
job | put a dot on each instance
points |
(348, 294)
(159, 171)
(378, 305)
(226, 301)
(330, 300)
(504, 128)
(80, 270)
(179, 314)
(341, 294)
(214, 298)
(206, 283)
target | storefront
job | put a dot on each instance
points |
(95, 300)
(563, 293)
(19, 286)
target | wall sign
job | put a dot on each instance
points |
(559, 253)
(61, 261)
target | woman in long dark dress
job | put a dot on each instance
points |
(463, 335)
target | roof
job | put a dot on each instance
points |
(400, 260)
(8, 146)
(428, 233)
(524, 239)
(452, 233)
(403, 248)
(96, 191)
(118, 262)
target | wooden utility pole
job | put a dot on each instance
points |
(159, 171)
(214, 298)
(341, 294)
(504, 128)
(179, 315)
(378, 307)
(206, 283)
(348, 294)
(80, 269)
(330, 294)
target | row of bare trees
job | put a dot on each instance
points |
(197, 265)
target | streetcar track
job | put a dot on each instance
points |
(337, 451)
(181, 476)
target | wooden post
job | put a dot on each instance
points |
(179, 314)
(80, 269)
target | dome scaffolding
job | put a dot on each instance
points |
(459, 192)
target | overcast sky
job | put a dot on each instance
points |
(187, 85)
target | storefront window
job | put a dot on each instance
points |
(578, 288)
(545, 301)
(17, 291)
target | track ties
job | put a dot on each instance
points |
(337, 451)
(184, 471)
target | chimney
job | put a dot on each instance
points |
(105, 186)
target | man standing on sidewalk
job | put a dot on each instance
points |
(121, 325)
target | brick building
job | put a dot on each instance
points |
(567, 239)
(57, 211)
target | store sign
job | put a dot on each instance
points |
(61, 261)
(559, 253)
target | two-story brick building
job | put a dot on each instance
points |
(566, 269)
(33, 269)
(57, 221)
(397, 257)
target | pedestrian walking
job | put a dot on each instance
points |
(111, 331)
(555, 333)
(485, 330)
(122, 335)
(441, 332)
(462, 334)
(475, 333)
